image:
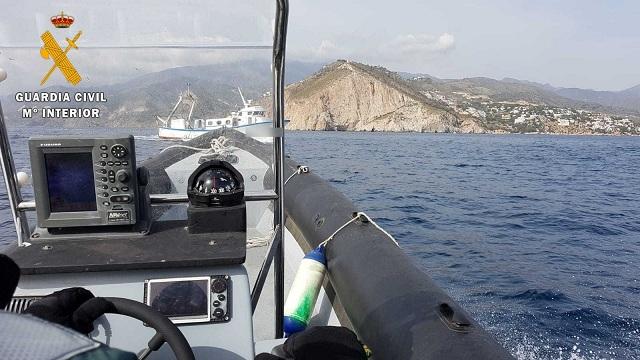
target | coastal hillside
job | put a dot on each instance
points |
(355, 97)
(350, 96)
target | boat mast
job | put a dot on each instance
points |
(167, 121)
(244, 102)
(193, 100)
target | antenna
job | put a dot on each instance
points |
(244, 102)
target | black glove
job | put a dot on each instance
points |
(89, 312)
(320, 343)
(75, 308)
(9, 276)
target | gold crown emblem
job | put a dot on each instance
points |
(62, 21)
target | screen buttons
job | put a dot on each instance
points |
(121, 199)
(218, 313)
(119, 151)
(104, 155)
(122, 176)
(218, 286)
(221, 300)
(103, 147)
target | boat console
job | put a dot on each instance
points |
(84, 181)
(95, 230)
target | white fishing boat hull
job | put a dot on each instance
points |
(254, 130)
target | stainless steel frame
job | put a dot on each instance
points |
(275, 253)
(278, 62)
(11, 182)
(173, 199)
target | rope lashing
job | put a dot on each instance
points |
(302, 169)
(220, 145)
(365, 219)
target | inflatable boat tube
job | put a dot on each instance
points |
(394, 307)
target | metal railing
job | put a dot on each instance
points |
(278, 62)
(11, 182)
(275, 253)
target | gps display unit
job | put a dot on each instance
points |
(84, 181)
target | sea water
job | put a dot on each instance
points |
(537, 236)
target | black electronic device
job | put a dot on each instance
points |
(191, 299)
(216, 199)
(84, 181)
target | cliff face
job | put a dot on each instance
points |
(357, 97)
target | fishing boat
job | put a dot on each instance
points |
(179, 250)
(249, 119)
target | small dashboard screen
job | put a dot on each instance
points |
(180, 298)
(70, 182)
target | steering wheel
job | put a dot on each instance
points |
(166, 331)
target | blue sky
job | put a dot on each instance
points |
(571, 43)
(588, 44)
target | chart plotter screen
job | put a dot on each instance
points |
(70, 182)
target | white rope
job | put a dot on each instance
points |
(301, 169)
(257, 241)
(220, 145)
(358, 215)
(379, 228)
(291, 176)
(338, 230)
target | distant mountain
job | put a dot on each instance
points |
(510, 89)
(527, 82)
(137, 102)
(628, 99)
